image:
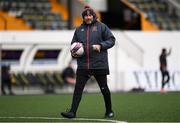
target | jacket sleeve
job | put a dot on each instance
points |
(75, 39)
(108, 38)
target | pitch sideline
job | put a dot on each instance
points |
(55, 118)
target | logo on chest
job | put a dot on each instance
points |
(94, 28)
(82, 30)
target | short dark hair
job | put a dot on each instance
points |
(164, 50)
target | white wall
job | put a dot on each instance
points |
(152, 43)
(123, 60)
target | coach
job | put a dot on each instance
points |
(96, 38)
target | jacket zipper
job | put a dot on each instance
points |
(87, 49)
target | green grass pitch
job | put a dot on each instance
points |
(130, 107)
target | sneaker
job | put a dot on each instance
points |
(163, 91)
(109, 114)
(68, 114)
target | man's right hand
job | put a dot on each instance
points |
(74, 55)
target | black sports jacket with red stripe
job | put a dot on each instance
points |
(91, 34)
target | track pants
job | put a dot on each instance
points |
(79, 87)
(165, 78)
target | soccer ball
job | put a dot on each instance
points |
(77, 48)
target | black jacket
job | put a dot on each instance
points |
(95, 33)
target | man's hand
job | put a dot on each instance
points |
(97, 47)
(74, 55)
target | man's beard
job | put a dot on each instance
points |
(89, 21)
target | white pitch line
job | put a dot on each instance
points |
(55, 118)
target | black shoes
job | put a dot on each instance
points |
(68, 114)
(109, 114)
(73, 115)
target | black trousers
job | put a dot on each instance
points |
(165, 78)
(79, 87)
(6, 82)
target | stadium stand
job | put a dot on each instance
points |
(46, 80)
(53, 14)
(36, 13)
(160, 12)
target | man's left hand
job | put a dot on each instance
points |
(96, 47)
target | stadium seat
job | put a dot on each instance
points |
(58, 78)
(37, 13)
(157, 12)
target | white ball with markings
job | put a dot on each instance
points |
(77, 48)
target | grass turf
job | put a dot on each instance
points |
(130, 107)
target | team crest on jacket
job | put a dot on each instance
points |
(94, 28)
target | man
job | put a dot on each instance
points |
(163, 68)
(96, 39)
(68, 75)
(6, 80)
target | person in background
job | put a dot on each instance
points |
(6, 80)
(68, 74)
(96, 38)
(163, 68)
